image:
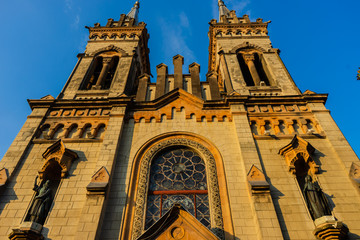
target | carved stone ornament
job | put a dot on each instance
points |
(99, 182)
(217, 225)
(59, 153)
(3, 177)
(257, 181)
(355, 175)
(299, 148)
(178, 224)
(48, 97)
(308, 92)
(328, 228)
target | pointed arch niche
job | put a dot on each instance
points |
(220, 218)
(298, 156)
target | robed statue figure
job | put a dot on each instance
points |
(315, 199)
(42, 202)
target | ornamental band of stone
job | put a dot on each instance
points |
(217, 225)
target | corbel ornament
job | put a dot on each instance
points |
(355, 175)
(217, 224)
(59, 153)
(3, 177)
(299, 147)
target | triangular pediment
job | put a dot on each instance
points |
(257, 180)
(297, 144)
(180, 100)
(177, 223)
(308, 92)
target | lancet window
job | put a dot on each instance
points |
(101, 72)
(253, 68)
(178, 175)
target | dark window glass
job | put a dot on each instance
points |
(178, 176)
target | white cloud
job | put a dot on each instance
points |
(239, 6)
(76, 22)
(184, 20)
(68, 5)
(174, 36)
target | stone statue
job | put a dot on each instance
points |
(42, 202)
(315, 199)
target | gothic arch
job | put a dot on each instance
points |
(299, 149)
(122, 52)
(219, 202)
(247, 45)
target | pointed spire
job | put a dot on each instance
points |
(134, 12)
(223, 10)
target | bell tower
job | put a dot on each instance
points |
(116, 55)
(240, 51)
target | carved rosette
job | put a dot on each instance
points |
(217, 224)
(60, 154)
(299, 148)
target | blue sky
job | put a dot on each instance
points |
(319, 43)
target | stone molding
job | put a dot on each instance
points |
(217, 224)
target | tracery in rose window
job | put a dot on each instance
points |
(178, 175)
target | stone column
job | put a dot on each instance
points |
(249, 60)
(104, 71)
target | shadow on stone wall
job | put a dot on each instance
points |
(111, 227)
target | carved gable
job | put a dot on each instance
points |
(299, 148)
(99, 182)
(178, 224)
(57, 155)
(257, 180)
(48, 97)
(178, 99)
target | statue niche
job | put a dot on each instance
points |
(58, 160)
(315, 199)
(41, 203)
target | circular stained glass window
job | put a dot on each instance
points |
(179, 169)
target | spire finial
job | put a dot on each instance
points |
(223, 10)
(134, 12)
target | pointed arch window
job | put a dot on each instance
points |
(253, 68)
(178, 175)
(101, 72)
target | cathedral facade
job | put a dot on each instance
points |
(242, 155)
